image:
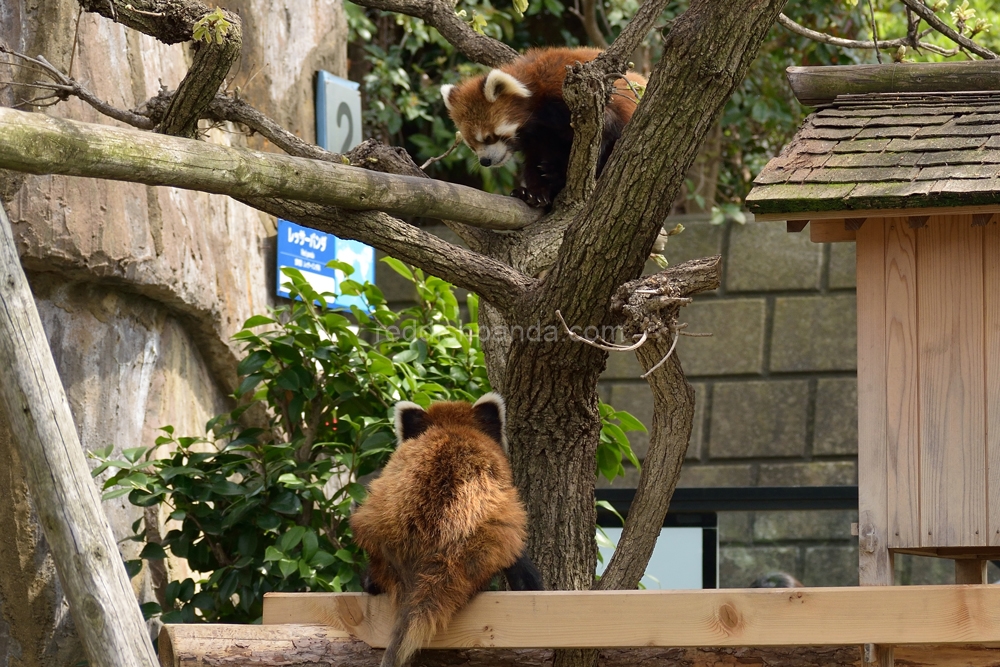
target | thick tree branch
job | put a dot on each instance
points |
(927, 14)
(673, 408)
(494, 281)
(172, 21)
(441, 15)
(39, 144)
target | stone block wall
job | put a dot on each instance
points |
(776, 393)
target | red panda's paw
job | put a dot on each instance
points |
(535, 199)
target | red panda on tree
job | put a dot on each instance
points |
(520, 107)
(442, 519)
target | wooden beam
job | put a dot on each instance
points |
(821, 85)
(90, 568)
(877, 213)
(969, 571)
(831, 231)
(727, 617)
(202, 645)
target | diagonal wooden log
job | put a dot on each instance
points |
(90, 567)
(39, 144)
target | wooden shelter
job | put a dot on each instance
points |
(913, 178)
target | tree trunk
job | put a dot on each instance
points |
(86, 556)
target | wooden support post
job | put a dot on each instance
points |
(90, 567)
(875, 560)
(970, 571)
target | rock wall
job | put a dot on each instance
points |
(139, 288)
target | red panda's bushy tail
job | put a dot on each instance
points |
(413, 629)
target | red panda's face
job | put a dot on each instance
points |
(488, 111)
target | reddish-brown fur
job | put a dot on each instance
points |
(441, 520)
(544, 134)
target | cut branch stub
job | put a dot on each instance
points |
(213, 59)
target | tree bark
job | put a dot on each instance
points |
(302, 646)
(90, 568)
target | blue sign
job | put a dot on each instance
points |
(310, 251)
(338, 129)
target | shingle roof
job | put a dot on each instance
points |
(888, 151)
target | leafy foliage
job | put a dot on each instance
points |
(255, 509)
(403, 62)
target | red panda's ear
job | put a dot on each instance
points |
(491, 416)
(500, 83)
(446, 90)
(411, 421)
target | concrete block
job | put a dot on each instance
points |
(698, 426)
(814, 333)
(736, 345)
(836, 430)
(694, 475)
(758, 419)
(804, 525)
(735, 527)
(740, 566)
(831, 566)
(700, 238)
(764, 257)
(814, 473)
(843, 274)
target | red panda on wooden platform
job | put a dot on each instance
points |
(520, 107)
(442, 519)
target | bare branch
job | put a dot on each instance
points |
(927, 14)
(66, 86)
(441, 15)
(878, 53)
(615, 58)
(41, 144)
(172, 21)
(912, 39)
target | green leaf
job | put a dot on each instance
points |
(291, 538)
(133, 454)
(153, 551)
(253, 363)
(629, 422)
(287, 567)
(117, 493)
(286, 503)
(405, 357)
(273, 554)
(399, 267)
(248, 383)
(310, 543)
(227, 488)
(322, 559)
(256, 321)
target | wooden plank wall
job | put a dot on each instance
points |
(902, 432)
(928, 387)
(952, 392)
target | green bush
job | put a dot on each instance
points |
(260, 509)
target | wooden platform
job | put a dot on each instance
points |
(729, 617)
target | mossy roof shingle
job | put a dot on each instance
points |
(888, 151)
